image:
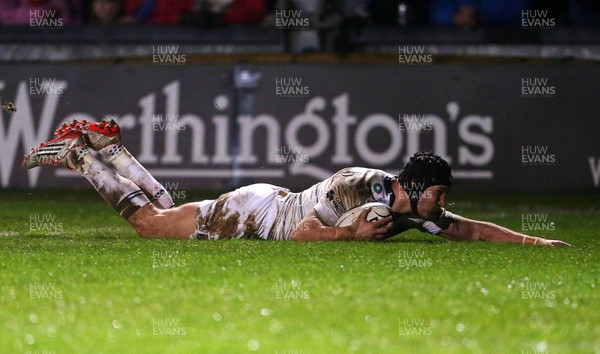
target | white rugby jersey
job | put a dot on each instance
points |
(270, 212)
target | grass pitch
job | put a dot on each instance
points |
(76, 279)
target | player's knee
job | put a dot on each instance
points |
(142, 228)
(144, 222)
(144, 231)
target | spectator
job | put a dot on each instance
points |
(306, 38)
(216, 13)
(245, 12)
(19, 12)
(354, 16)
(207, 13)
(472, 13)
(156, 12)
(106, 11)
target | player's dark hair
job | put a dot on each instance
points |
(423, 170)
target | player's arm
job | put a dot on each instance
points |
(312, 228)
(463, 229)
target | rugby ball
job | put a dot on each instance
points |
(378, 211)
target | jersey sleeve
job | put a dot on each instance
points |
(327, 212)
(348, 190)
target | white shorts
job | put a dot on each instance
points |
(248, 212)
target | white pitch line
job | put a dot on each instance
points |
(477, 174)
(268, 173)
(199, 173)
(218, 173)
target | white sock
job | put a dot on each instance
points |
(122, 194)
(128, 167)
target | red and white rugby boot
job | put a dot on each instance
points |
(105, 137)
(96, 135)
(64, 150)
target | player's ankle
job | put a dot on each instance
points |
(76, 158)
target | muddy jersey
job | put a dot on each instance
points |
(265, 211)
(332, 197)
(350, 188)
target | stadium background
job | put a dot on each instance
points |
(219, 98)
(299, 102)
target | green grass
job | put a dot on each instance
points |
(115, 293)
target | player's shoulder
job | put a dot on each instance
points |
(359, 177)
(354, 175)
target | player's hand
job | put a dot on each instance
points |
(364, 230)
(545, 242)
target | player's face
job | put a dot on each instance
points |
(432, 201)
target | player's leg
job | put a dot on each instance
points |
(105, 137)
(123, 195)
(177, 223)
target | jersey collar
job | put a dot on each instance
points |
(390, 197)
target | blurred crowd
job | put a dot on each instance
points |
(213, 13)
